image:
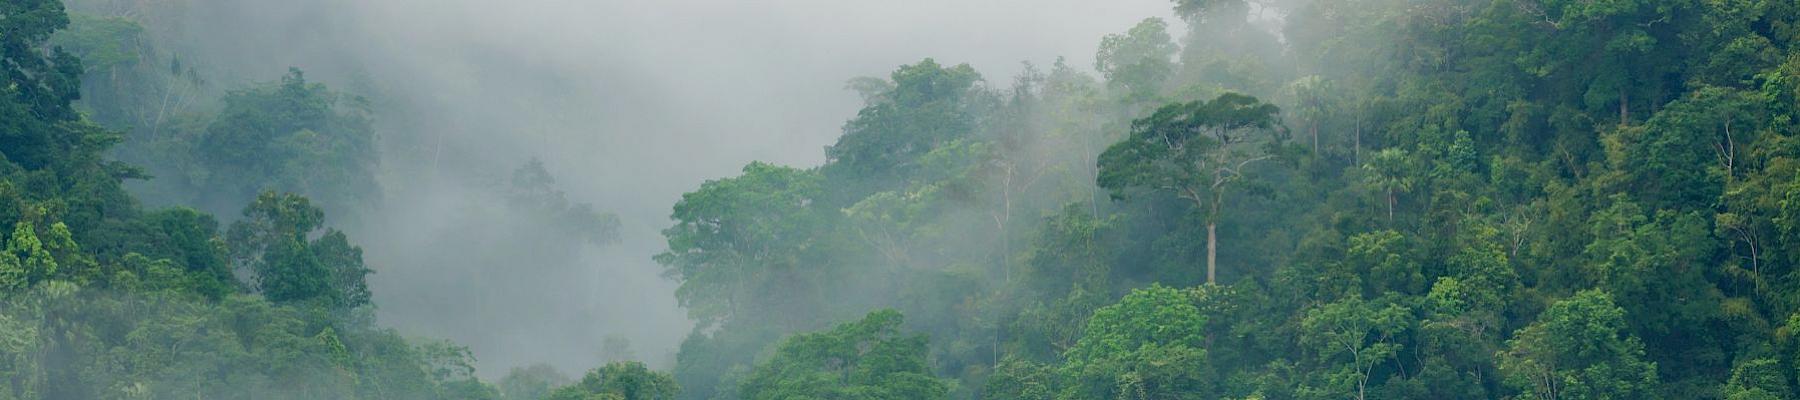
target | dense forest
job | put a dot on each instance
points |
(1272, 199)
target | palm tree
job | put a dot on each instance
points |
(1387, 171)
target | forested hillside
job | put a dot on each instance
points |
(1271, 199)
(101, 298)
(1525, 199)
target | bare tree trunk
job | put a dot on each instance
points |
(1730, 151)
(1212, 252)
(1093, 170)
(1356, 155)
(1212, 242)
(1000, 222)
(156, 126)
(1624, 108)
(1314, 129)
(1390, 201)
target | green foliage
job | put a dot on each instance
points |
(1758, 379)
(1382, 257)
(243, 346)
(866, 359)
(1557, 199)
(1191, 149)
(531, 382)
(100, 299)
(275, 241)
(1016, 379)
(1579, 349)
(628, 380)
(293, 136)
(928, 105)
(1351, 339)
(1138, 62)
(40, 84)
(1151, 345)
(25, 261)
(734, 236)
(1388, 172)
(1195, 151)
(1476, 171)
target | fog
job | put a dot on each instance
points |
(628, 104)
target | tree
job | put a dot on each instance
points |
(750, 255)
(1683, 155)
(1139, 62)
(1196, 151)
(293, 136)
(1352, 338)
(1604, 53)
(868, 359)
(1578, 349)
(273, 242)
(1151, 345)
(25, 261)
(1314, 99)
(451, 367)
(531, 382)
(1757, 379)
(1016, 379)
(1655, 266)
(623, 380)
(1384, 258)
(929, 105)
(1389, 171)
(1201, 11)
(733, 235)
(19, 344)
(40, 84)
(533, 189)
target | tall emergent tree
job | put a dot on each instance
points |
(1196, 151)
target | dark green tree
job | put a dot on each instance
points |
(1352, 339)
(1196, 151)
(292, 136)
(1151, 345)
(1579, 349)
(928, 105)
(735, 237)
(275, 241)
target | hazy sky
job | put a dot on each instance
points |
(629, 103)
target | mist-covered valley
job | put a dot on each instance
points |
(796, 199)
(629, 103)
